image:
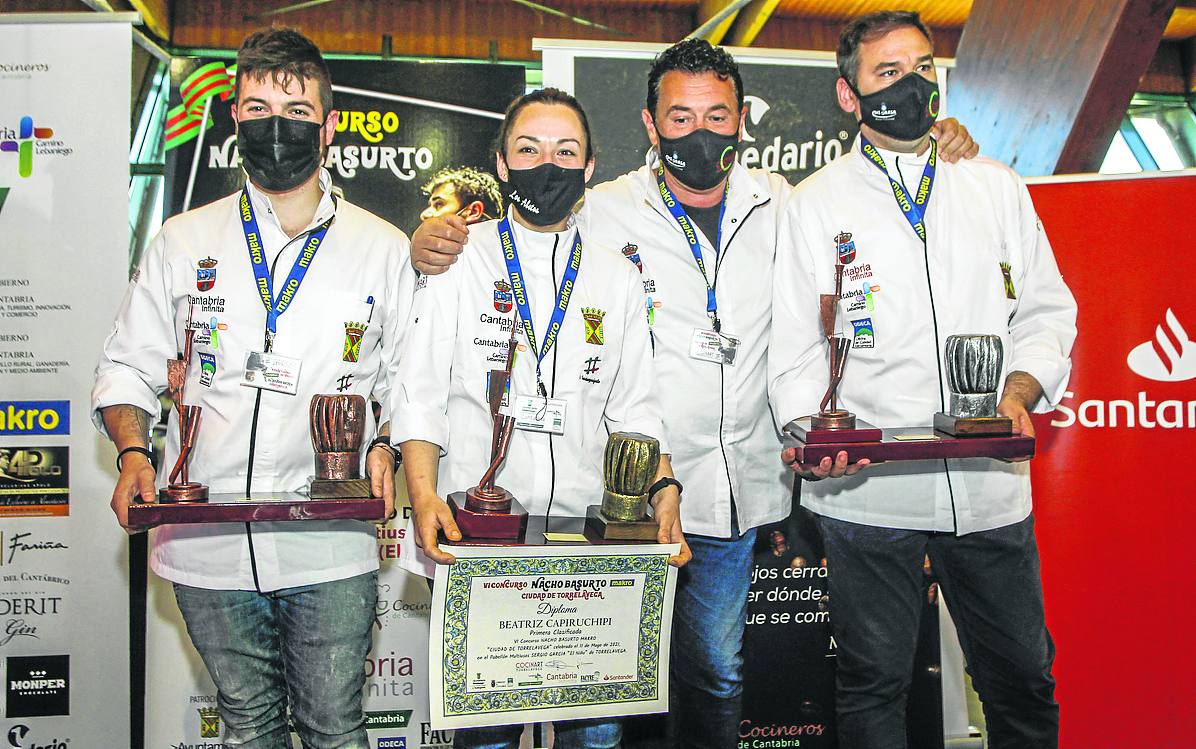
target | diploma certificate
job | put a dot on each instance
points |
(540, 633)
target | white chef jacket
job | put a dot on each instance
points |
(462, 326)
(900, 304)
(724, 445)
(360, 274)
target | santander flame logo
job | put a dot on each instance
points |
(1170, 357)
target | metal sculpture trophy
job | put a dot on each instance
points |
(629, 467)
(488, 510)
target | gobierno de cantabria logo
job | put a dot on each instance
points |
(1169, 357)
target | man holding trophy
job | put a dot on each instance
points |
(938, 293)
(262, 302)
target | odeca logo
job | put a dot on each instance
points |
(1170, 357)
(20, 737)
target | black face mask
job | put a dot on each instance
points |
(279, 153)
(546, 193)
(904, 111)
(699, 159)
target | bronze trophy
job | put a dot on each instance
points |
(833, 423)
(180, 489)
(629, 467)
(337, 430)
(973, 376)
(488, 510)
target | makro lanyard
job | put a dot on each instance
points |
(691, 237)
(912, 207)
(515, 273)
(261, 270)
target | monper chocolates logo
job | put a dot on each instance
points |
(37, 685)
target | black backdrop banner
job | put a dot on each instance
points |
(400, 123)
(793, 126)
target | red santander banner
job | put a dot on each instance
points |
(1113, 497)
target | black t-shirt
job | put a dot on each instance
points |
(706, 219)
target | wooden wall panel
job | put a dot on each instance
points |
(1044, 85)
(787, 32)
(431, 28)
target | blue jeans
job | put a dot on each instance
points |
(991, 581)
(709, 615)
(304, 647)
(602, 733)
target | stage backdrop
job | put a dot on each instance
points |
(401, 122)
(793, 124)
(64, 183)
(1112, 497)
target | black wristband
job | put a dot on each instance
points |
(384, 441)
(134, 449)
(661, 484)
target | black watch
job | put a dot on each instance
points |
(661, 484)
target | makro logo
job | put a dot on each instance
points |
(21, 141)
(34, 417)
(1170, 357)
(369, 125)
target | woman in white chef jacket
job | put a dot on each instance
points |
(595, 373)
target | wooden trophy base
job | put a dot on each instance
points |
(905, 443)
(973, 426)
(237, 508)
(339, 489)
(619, 530)
(501, 526)
(189, 493)
(804, 430)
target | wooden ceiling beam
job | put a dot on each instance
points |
(1044, 86)
(751, 20)
(708, 9)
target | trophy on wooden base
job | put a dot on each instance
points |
(629, 467)
(337, 429)
(833, 424)
(181, 489)
(973, 377)
(488, 510)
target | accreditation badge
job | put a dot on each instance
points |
(719, 348)
(267, 371)
(534, 413)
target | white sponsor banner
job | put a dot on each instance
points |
(180, 702)
(64, 239)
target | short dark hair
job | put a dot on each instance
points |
(543, 96)
(470, 184)
(865, 29)
(285, 55)
(693, 56)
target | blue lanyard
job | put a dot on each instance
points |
(912, 207)
(261, 270)
(691, 237)
(515, 273)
